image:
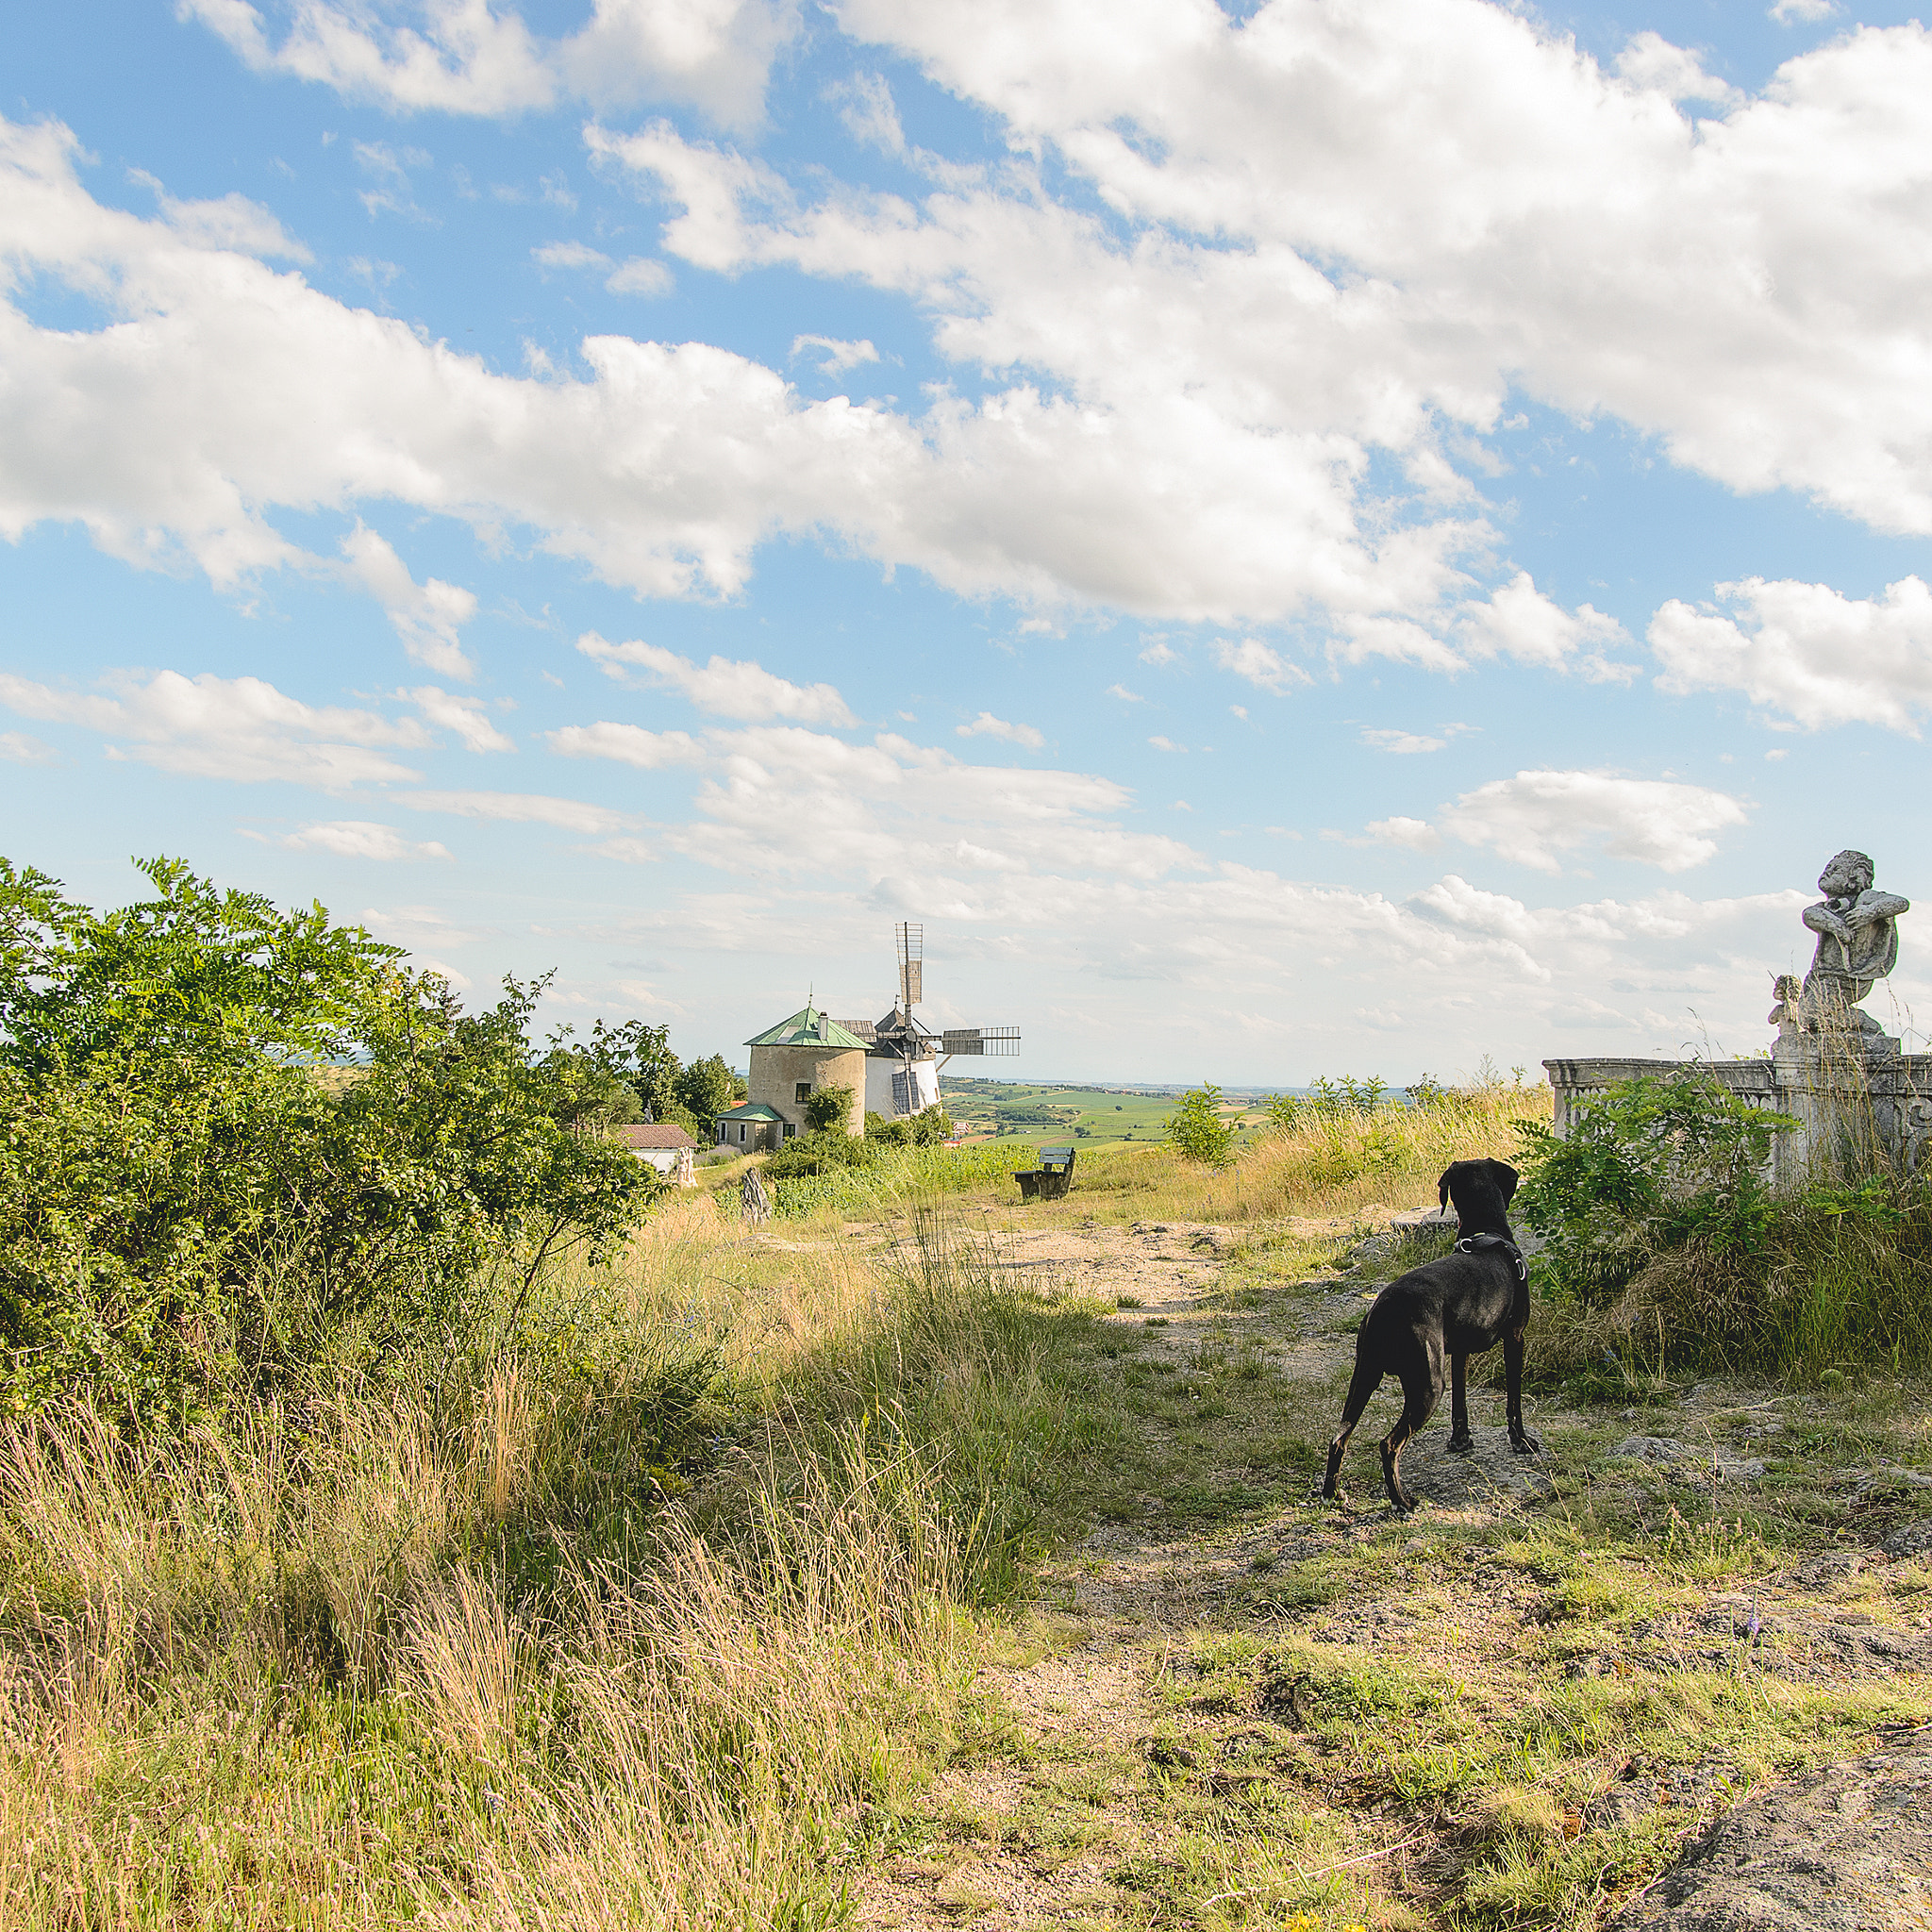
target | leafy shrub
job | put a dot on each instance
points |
(1649, 1164)
(827, 1107)
(926, 1128)
(1196, 1130)
(234, 1139)
(825, 1150)
(895, 1177)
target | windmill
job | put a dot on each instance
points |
(903, 1054)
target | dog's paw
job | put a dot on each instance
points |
(1462, 1445)
(1526, 1444)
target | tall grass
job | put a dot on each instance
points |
(1337, 1162)
(900, 1175)
(630, 1613)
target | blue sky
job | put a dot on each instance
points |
(1293, 539)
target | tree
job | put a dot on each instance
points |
(828, 1106)
(707, 1088)
(231, 1138)
(1197, 1132)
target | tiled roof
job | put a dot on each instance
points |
(807, 1028)
(648, 1135)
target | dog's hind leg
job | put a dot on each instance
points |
(1460, 1441)
(1421, 1388)
(1520, 1438)
(1366, 1380)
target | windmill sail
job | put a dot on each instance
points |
(911, 965)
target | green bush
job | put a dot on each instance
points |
(825, 1150)
(827, 1107)
(233, 1139)
(1197, 1132)
(1649, 1164)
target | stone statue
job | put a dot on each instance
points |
(1858, 945)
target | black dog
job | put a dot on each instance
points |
(1455, 1306)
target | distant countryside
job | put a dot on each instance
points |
(984, 1109)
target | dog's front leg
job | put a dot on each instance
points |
(1460, 1441)
(1520, 1438)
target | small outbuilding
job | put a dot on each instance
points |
(669, 1149)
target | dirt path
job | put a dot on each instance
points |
(1168, 1738)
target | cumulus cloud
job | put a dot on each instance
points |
(1417, 835)
(360, 839)
(1786, 11)
(631, 744)
(22, 748)
(427, 617)
(987, 726)
(239, 728)
(1259, 664)
(1519, 620)
(470, 57)
(517, 807)
(569, 255)
(835, 356)
(1654, 64)
(1806, 651)
(1536, 817)
(640, 276)
(1408, 743)
(727, 688)
(463, 718)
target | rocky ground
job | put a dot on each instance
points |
(1234, 1704)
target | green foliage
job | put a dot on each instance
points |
(1649, 1164)
(1196, 1130)
(197, 1194)
(828, 1106)
(825, 1150)
(1343, 1099)
(890, 1177)
(707, 1088)
(923, 1129)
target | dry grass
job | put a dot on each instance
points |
(1339, 1164)
(385, 1657)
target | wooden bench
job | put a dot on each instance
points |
(1051, 1179)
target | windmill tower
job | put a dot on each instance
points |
(903, 1054)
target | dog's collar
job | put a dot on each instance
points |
(1482, 1243)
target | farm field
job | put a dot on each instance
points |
(984, 1108)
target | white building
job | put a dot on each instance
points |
(669, 1149)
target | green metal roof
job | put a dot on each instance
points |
(751, 1110)
(807, 1028)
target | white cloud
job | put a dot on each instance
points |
(416, 927)
(640, 276)
(1535, 816)
(1650, 62)
(1417, 835)
(1518, 621)
(469, 56)
(360, 839)
(569, 255)
(463, 718)
(1159, 651)
(631, 744)
(1388, 739)
(835, 356)
(1126, 696)
(19, 748)
(1806, 650)
(987, 726)
(777, 799)
(427, 617)
(239, 728)
(727, 688)
(1262, 666)
(1786, 11)
(517, 807)
(870, 115)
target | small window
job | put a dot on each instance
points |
(741, 1134)
(790, 1132)
(801, 1092)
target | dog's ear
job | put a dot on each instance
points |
(1442, 1190)
(1506, 1178)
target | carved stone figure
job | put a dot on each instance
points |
(1858, 945)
